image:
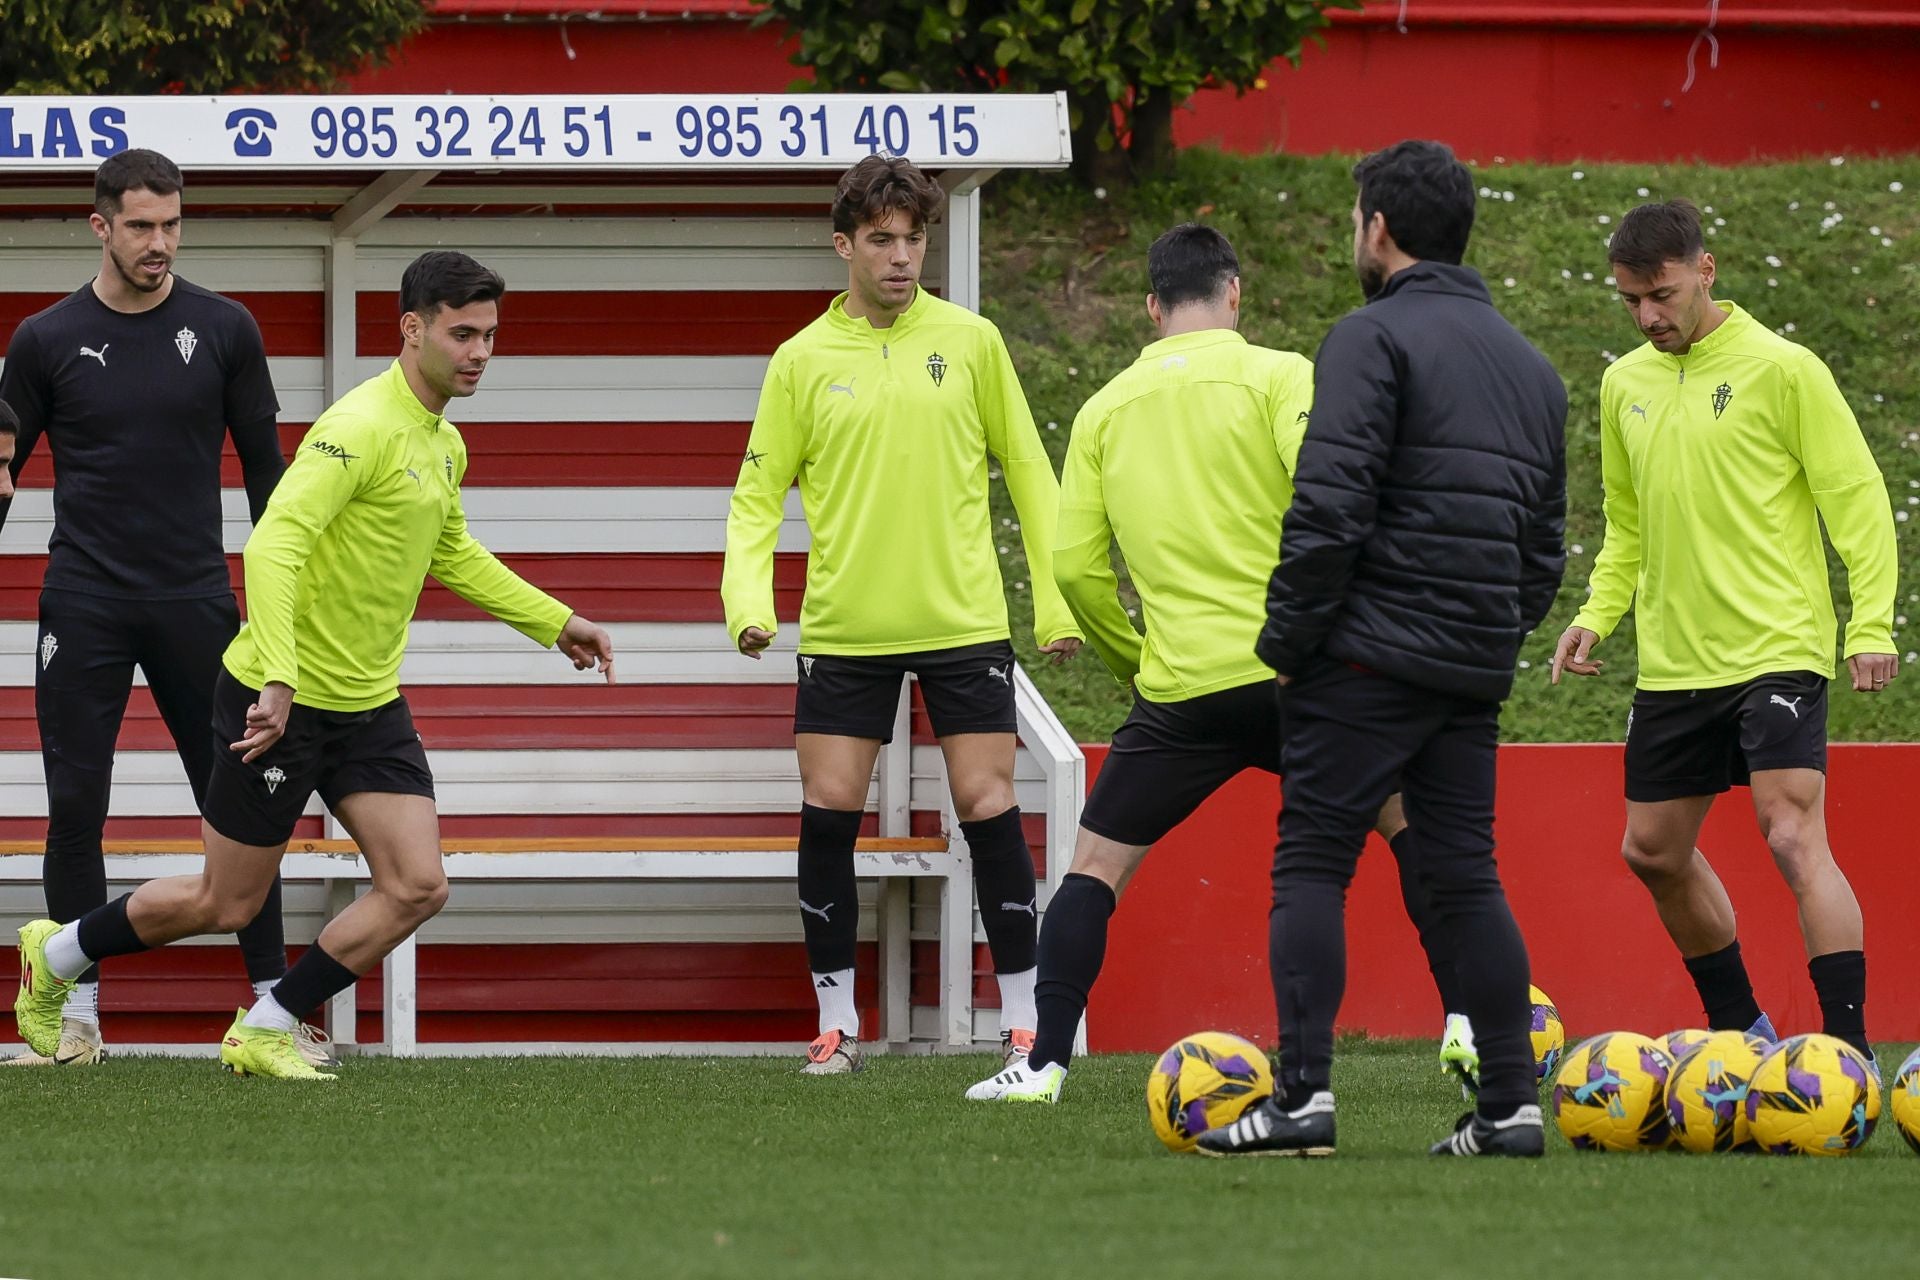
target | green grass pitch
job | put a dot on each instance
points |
(740, 1167)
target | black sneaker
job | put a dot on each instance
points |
(1519, 1134)
(1267, 1130)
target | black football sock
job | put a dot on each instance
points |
(1840, 983)
(829, 896)
(263, 940)
(1420, 911)
(105, 931)
(1004, 887)
(315, 978)
(1726, 993)
(1073, 944)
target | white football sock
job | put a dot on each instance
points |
(834, 991)
(269, 1016)
(1016, 1001)
(64, 955)
(84, 1004)
(263, 989)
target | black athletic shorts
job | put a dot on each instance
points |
(337, 753)
(1699, 742)
(967, 690)
(1168, 757)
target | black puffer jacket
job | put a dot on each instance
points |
(1425, 537)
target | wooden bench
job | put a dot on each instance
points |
(337, 863)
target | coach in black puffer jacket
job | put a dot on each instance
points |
(1424, 541)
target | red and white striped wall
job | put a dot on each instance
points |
(604, 443)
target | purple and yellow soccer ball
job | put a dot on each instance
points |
(1202, 1082)
(1904, 1101)
(1813, 1095)
(1707, 1096)
(1548, 1033)
(1680, 1043)
(1610, 1093)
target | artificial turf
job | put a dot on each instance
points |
(740, 1167)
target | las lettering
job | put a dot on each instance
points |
(52, 133)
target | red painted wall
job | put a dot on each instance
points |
(1523, 79)
(1188, 948)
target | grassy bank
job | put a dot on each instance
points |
(1828, 249)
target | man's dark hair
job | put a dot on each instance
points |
(447, 279)
(880, 185)
(1190, 263)
(1653, 235)
(1426, 195)
(9, 420)
(131, 171)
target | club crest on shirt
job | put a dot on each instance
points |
(186, 342)
(1721, 395)
(937, 368)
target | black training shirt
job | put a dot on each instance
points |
(134, 407)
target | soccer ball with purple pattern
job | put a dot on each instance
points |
(1707, 1096)
(1611, 1093)
(1904, 1102)
(1813, 1095)
(1548, 1033)
(1203, 1082)
(1683, 1042)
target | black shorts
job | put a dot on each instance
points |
(1699, 742)
(967, 690)
(337, 753)
(1168, 757)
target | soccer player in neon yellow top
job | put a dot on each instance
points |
(1185, 459)
(310, 698)
(1723, 448)
(886, 409)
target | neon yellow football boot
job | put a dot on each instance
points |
(257, 1051)
(36, 1010)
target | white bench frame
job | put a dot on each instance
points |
(344, 873)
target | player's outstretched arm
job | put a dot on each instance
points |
(477, 576)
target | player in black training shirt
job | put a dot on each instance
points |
(134, 380)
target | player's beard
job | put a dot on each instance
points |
(1373, 276)
(131, 275)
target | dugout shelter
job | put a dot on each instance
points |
(622, 857)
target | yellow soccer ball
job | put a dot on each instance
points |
(1679, 1044)
(1204, 1081)
(1548, 1033)
(1813, 1095)
(1611, 1093)
(1905, 1100)
(1707, 1096)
